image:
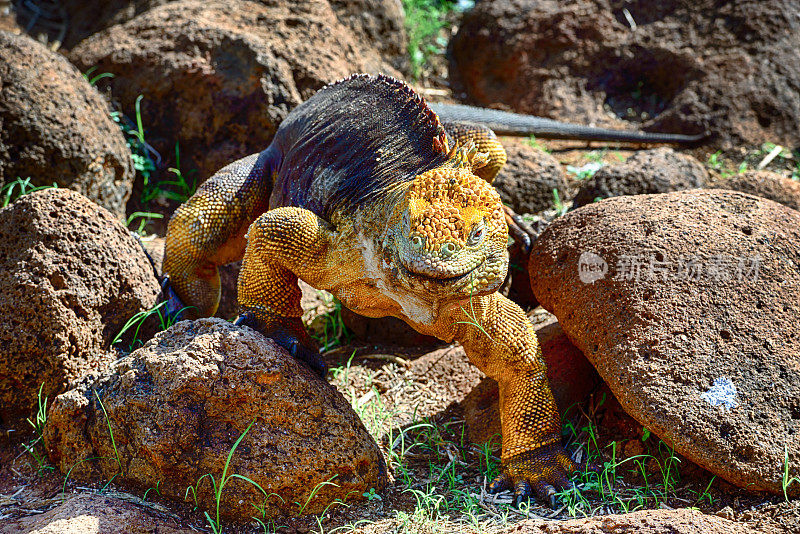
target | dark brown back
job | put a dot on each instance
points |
(352, 141)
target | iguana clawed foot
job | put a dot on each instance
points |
(517, 229)
(289, 333)
(542, 472)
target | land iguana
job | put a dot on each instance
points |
(365, 193)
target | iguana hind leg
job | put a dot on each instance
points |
(208, 231)
(485, 141)
(283, 244)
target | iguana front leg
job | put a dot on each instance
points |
(500, 341)
(283, 244)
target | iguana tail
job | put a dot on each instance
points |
(507, 123)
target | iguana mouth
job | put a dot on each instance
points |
(442, 281)
(431, 272)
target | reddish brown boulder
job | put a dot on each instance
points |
(56, 128)
(177, 406)
(732, 67)
(94, 513)
(569, 373)
(377, 23)
(764, 184)
(219, 76)
(527, 181)
(686, 303)
(70, 277)
(660, 170)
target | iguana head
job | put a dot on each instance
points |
(450, 235)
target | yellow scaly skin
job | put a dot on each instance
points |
(430, 251)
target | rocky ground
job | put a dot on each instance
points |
(664, 283)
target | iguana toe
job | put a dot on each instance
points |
(517, 230)
(306, 354)
(544, 492)
(522, 492)
(502, 482)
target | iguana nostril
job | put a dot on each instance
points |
(447, 250)
(416, 242)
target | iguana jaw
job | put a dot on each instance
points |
(448, 264)
(485, 278)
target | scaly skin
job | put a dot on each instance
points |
(428, 247)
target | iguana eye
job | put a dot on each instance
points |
(476, 235)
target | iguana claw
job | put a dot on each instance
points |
(175, 305)
(517, 229)
(542, 472)
(303, 353)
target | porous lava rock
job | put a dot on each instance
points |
(660, 170)
(686, 303)
(569, 373)
(377, 23)
(70, 277)
(527, 180)
(219, 76)
(765, 184)
(87, 17)
(94, 513)
(731, 67)
(56, 128)
(178, 405)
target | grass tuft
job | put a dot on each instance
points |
(110, 433)
(165, 321)
(146, 162)
(40, 418)
(144, 217)
(329, 329)
(785, 480)
(18, 188)
(426, 22)
(215, 523)
(559, 205)
(38, 423)
(93, 79)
